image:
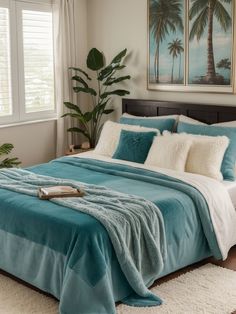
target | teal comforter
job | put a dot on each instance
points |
(69, 254)
(135, 225)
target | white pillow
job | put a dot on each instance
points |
(110, 136)
(173, 116)
(205, 155)
(169, 152)
(228, 124)
(186, 119)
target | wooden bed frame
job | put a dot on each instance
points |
(206, 113)
(202, 112)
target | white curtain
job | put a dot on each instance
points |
(66, 52)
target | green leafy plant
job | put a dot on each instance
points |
(106, 76)
(5, 149)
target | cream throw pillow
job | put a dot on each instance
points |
(169, 152)
(229, 124)
(110, 136)
(205, 155)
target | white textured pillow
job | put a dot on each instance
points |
(228, 124)
(169, 152)
(206, 154)
(110, 136)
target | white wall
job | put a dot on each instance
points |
(117, 24)
(33, 143)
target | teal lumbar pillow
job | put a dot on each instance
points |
(160, 124)
(228, 164)
(134, 146)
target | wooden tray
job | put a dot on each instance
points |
(42, 196)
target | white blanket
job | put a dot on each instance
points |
(221, 209)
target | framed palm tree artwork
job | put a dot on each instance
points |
(191, 45)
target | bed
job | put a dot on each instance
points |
(69, 253)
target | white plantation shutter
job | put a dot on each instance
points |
(5, 67)
(26, 61)
(38, 60)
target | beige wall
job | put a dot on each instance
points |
(117, 24)
(33, 143)
(36, 142)
(109, 25)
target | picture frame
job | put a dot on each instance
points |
(189, 48)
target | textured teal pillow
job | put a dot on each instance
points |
(228, 164)
(160, 124)
(134, 146)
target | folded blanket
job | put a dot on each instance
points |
(135, 225)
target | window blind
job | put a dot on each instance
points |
(5, 68)
(38, 60)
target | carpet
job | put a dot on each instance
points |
(206, 290)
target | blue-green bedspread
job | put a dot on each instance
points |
(69, 254)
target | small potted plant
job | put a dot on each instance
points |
(106, 76)
(5, 149)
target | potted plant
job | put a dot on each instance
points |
(101, 92)
(5, 149)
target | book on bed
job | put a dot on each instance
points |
(46, 193)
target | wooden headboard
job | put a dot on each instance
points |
(205, 113)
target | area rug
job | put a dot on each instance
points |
(16, 298)
(207, 290)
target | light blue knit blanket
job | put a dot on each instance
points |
(134, 224)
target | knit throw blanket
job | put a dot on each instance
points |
(134, 224)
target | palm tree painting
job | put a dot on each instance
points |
(166, 20)
(175, 50)
(210, 41)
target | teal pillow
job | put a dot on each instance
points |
(134, 146)
(160, 124)
(228, 164)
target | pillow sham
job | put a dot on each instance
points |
(229, 124)
(134, 146)
(228, 164)
(160, 124)
(169, 152)
(186, 119)
(110, 135)
(205, 154)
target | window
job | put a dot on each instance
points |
(5, 75)
(26, 61)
